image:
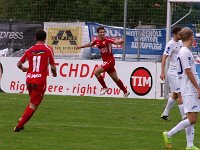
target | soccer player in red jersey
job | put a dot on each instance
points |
(39, 57)
(105, 46)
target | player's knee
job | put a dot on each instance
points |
(32, 106)
(174, 96)
(96, 73)
(193, 119)
(116, 80)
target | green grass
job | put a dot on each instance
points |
(88, 123)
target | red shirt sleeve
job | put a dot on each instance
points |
(94, 42)
(24, 57)
(110, 41)
(51, 57)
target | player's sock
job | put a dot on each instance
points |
(170, 104)
(181, 109)
(121, 86)
(101, 81)
(190, 135)
(26, 116)
(182, 125)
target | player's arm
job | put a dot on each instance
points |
(164, 59)
(52, 63)
(167, 52)
(86, 45)
(21, 67)
(191, 77)
(186, 62)
(119, 42)
(53, 71)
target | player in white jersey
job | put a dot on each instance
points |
(171, 50)
(190, 91)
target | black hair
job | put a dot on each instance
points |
(40, 35)
(100, 28)
(176, 29)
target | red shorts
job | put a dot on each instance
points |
(36, 92)
(109, 66)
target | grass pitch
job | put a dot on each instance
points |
(88, 123)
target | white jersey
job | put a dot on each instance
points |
(171, 49)
(186, 60)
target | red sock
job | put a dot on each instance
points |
(101, 81)
(26, 116)
(121, 86)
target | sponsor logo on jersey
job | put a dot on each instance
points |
(195, 106)
(141, 81)
(29, 75)
(189, 60)
(34, 52)
(168, 49)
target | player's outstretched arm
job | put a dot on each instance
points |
(53, 71)
(119, 42)
(83, 46)
(21, 67)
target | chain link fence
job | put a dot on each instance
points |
(151, 13)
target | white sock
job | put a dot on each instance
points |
(190, 135)
(170, 104)
(181, 109)
(182, 125)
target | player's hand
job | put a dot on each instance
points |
(198, 90)
(197, 61)
(121, 40)
(54, 74)
(24, 69)
(78, 47)
(162, 76)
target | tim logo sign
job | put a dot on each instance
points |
(141, 81)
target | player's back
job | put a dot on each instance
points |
(38, 57)
(186, 60)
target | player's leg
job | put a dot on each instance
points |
(169, 106)
(175, 89)
(180, 105)
(191, 107)
(36, 96)
(100, 78)
(193, 116)
(113, 74)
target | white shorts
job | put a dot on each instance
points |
(174, 82)
(191, 103)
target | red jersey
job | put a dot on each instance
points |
(39, 57)
(105, 47)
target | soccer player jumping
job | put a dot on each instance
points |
(39, 57)
(105, 46)
(190, 91)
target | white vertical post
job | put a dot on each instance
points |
(125, 21)
(168, 35)
(139, 41)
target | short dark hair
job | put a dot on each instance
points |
(40, 35)
(100, 28)
(176, 29)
